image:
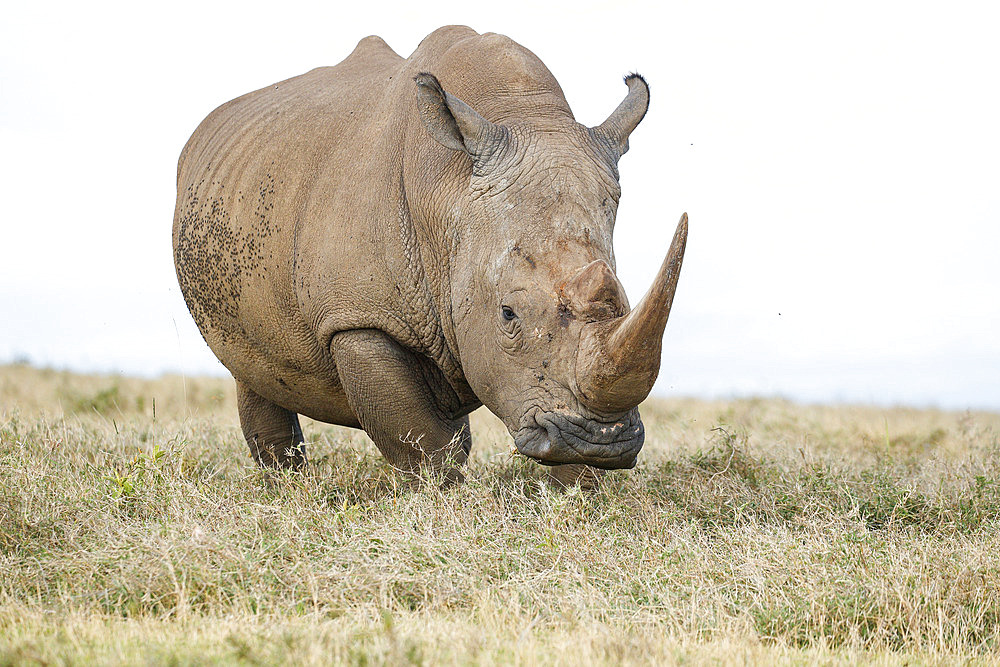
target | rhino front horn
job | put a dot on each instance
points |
(619, 359)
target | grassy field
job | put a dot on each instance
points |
(134, 527)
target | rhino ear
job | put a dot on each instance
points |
(450, 121)
(626, 117)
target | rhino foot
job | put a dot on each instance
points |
(571, 474)
(273, 433)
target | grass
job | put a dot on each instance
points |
(134, 528)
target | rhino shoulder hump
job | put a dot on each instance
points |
(373, 49)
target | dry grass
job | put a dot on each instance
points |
(756, 531)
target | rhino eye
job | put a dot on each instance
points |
(508, 314)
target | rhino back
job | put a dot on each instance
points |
(248, 179)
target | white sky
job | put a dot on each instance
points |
(840, 163)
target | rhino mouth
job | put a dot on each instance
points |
(552, 438)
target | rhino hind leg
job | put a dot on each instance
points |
(406, 409)
(273, 433)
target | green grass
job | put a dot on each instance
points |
(753, 530)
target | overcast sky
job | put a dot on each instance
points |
(840, 163)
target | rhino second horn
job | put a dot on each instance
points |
(619, 359)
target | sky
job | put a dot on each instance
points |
(840, 164)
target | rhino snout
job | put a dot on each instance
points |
(553, 438)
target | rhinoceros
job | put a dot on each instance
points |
(390, 243)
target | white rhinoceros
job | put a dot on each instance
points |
(390, 243)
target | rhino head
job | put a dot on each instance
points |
(543, 327)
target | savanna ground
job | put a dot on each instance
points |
(134, 528)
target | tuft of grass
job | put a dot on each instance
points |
(751, 530)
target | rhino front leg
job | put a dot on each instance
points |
(402, 404)
(570, 474)
(272, 432)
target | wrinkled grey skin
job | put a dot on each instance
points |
(359, 246)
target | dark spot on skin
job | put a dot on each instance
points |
(549, 337)
(565, 314)
(540, 377)
(517, 251)
(221, 245)
(282, 382)
(545, 364)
